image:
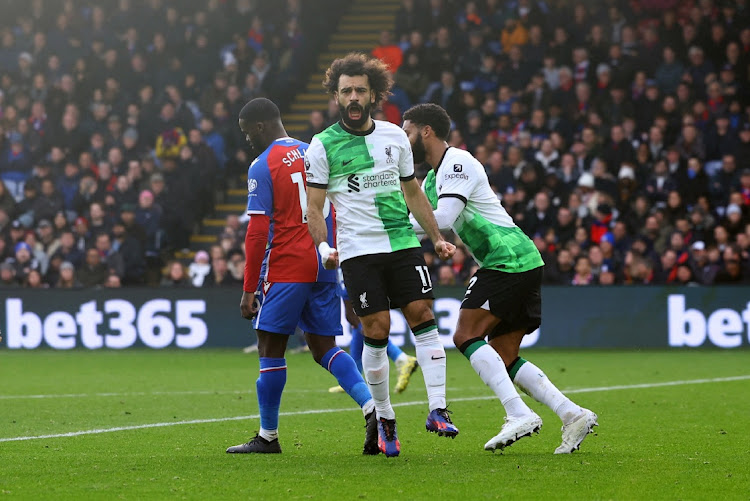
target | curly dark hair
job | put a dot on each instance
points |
(356, 63)
(432, 115)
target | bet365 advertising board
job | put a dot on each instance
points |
(575, 317)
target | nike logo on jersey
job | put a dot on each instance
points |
(425, 290)
(347, 162)
(436, 358)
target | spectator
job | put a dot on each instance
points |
(111, 258)
(388, 52)
(34, 281)
(94, 271)
(446, 276)
(220, 275)
(131, 249)
(732, 271)
(583, 274)
(8, 276)
(175, 276)
(199, 268)
(68, 279)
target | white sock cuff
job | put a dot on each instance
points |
(528, 370)
(428, 338)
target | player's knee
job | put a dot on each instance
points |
(377, 329)
(460, 337)
(375, 376)
(418, 312)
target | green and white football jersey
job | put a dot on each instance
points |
(484, 226)
(362, 172)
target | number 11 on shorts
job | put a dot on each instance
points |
(424, 275)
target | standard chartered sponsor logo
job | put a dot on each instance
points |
(378, 180)
(118, 324)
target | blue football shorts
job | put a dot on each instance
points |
(314, 307)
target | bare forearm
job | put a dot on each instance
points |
(316, 225)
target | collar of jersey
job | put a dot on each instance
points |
(442, 158)
(282, 139)
(357, 132)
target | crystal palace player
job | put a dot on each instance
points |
(295, 289)
(503, 301)
(367, 168)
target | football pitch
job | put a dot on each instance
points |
(155, 424)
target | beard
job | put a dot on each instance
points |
(418, 151)
(364, 114)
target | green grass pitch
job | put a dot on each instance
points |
(662, 434)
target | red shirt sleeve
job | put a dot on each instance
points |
(256, 239)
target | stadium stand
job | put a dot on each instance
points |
(617, 134)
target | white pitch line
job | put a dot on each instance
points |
(349, 409)
(158, 393)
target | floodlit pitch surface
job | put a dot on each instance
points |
(154, 425)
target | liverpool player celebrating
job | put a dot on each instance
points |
(503, 301)
(367, 168)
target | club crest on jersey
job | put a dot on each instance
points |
(251, 185)
(458, 168)
(266, 286)
(389, 156)
(363, 300)
(353, 183)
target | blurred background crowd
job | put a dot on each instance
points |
(118, 130)
(616, 133)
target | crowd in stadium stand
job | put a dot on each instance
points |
(118, 125)
(617, 134)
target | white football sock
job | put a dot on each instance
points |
(269, 434)
(535, 383)
(490, 367)
(375, 365)
(431, 358)
(368, 407)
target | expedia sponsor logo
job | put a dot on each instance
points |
(458, 168)
(459, 175)
(353, 183)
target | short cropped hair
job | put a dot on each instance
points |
(260, 109)
(355, 64)
(432, 115)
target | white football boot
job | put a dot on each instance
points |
(514, 429)
(574, 432)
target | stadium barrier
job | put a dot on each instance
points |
(573, 317)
